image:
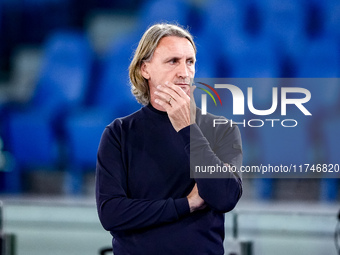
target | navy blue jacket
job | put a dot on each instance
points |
(143, 178)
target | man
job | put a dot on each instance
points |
(145, 196)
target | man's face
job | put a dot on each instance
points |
(173, 61)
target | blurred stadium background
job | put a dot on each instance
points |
(64, 77)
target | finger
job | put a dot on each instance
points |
(176, 88)
(164, 104)
(164, 96)
(167, 93)
(173, 90)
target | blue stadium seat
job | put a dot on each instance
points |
(332, 18)
(155, 11)
(223, 19)
(111, 98)
(206, 65)
(253, 23)
(326, 17)
(324, 106)
(325, 99)
(40, 17)
(32, 140)
(330, 133)
(329, 188)
(309, 142)
(65, 72)
(284, 19)
(285, 23)
(256, 58)
(282, 146)
(264, 188)
(275, 144)
(35, 132)
(83, 133)
(84, 130)
(242, 54)
(222, 27)
(320, 58)
(286, 145)
(112, 90)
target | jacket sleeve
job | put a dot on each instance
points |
(220, 191)
(117, 211)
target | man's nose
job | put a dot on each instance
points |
(183, 70)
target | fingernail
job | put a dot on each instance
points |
(159, 86)
(166, 83)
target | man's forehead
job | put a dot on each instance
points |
(175, 44)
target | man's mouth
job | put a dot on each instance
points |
(183, 85)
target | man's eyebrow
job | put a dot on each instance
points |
(171, 58)
(177, 58)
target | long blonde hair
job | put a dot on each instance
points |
(144, 52)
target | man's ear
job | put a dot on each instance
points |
(144, 71)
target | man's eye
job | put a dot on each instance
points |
(172, 61)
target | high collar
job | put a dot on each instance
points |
(153, 109)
